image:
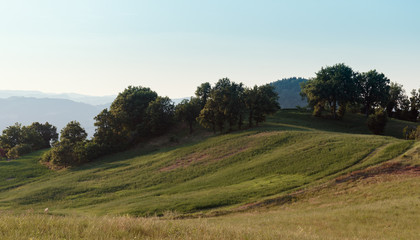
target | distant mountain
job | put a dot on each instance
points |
(93, 100)
(288, 90)
(178, 100)
(57, 112)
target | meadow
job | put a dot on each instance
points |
(294, 177)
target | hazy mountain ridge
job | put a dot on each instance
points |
(57, 112)
(92, 100)
(288, 90)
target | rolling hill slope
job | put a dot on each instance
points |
(290, 152)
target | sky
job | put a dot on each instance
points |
(99, 47)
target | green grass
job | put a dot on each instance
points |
(381, 207)
(26, 169)
(292, 160)
(291, 151)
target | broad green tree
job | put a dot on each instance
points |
(73, 132)
(188, 111)
(267, 103)
(47, 132)
(334, 86)
(203, 93)
(11, 136)
(396, 98)
(374, 90)
(160, 115)
(129, 112)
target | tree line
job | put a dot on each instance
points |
(138, 113)
(17, 140)
(338, 88)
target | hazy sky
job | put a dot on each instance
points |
(99, 47)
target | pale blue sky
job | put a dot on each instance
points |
(99, 47)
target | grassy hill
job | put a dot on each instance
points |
(288, 175)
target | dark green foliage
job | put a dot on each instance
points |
(414, 105)
(374, 90)
(159, 115)
(22, 140)
(396, 100)
(130, 107)
(63, 154)
(333, 86)
(125, 122)
(73, 132)
(266, 103)
(19, 150)
(108, 133)
(230, 102)
(289, 90)
(259, 102)
(47, 132)
(377, 121)
(209, 115)
(203, 93)
(71, 150)
(11, 136)
(188, 111)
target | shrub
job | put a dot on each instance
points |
(47, 156)
(412, 133)
(18, 151)
(377, 121)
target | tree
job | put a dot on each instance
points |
(208, 115)
(62, 154)
(32, 138)
(108, 133)
(160, 115)
(414, 105)
(374, 90)
(188, 111)
(11, 136)
(229, 102)
(224, 104)
(396, 98)
(266, 103)
(333, 85)
(47, 132)
(73, 132)
(203, 93)
(251, 103)
(129, 113)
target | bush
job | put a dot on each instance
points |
(377, 121)
(412, 133)
(47, 156)
(18, 151)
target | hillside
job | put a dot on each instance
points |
(288, 90)
(219, 173)
(295, 177)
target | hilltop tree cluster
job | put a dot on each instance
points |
(17, 140)
(336, 88)
(138, 113)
